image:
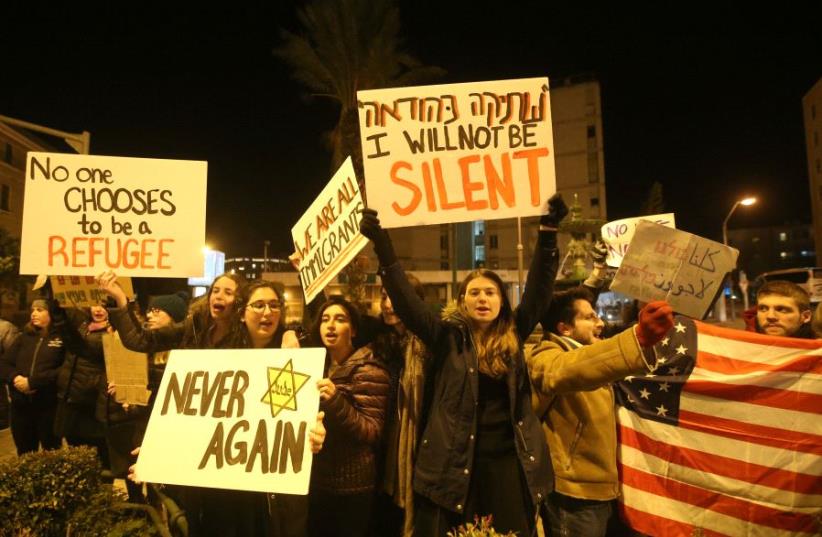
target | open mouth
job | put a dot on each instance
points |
(330, 338)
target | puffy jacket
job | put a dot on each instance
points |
(446, 452)
(82, 374)
(354, 418)
(37, 357)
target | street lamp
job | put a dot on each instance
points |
(746, 202)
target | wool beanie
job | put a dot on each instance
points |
(175, 305)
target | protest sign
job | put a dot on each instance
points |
(85, 214)
(457, 152)
(83, 291)
(234, 419)
(617, 235)
(327, 236)
(127, 370)
(668, 264)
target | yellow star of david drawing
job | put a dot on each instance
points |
(283, 385)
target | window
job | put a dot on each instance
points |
(493, 242)
(592, 131)
(783, 255)
(443, 242)
(815, 138)
(594, 202)
(443, 265)
(593, 168)
(782, 238)
(5, 198)
(9, 154)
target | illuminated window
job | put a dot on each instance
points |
(783, 237)
(783, 255)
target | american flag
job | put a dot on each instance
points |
(724, 436)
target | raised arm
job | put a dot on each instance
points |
(413, 312)
(132, 334)
(543, 271)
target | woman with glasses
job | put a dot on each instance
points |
(354, 396)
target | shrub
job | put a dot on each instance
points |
(59, 493)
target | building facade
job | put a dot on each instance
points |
(812, 115)
(763, 249)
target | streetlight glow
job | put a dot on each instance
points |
(748, 201)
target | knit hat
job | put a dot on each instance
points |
(175, 305)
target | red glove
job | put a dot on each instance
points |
(655, 320)
(749, 315)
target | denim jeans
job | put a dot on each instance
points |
(572, 517)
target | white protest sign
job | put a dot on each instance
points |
(328, 235)
(83, 291)
(84, 214)
(234, 419)
(457, 152)
(668, 264)
(617, 235)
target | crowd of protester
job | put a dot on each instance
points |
(427, 419)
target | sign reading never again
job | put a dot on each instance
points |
(327, 236)
(457, 152)
(85, 214)
(234, 419)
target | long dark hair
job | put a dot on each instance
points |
(199, 312)
(353, 317)
(499, 346)
(239, 332)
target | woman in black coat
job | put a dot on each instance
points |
(30, 368)
(482, 450)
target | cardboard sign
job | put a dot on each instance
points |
(82, 291)
(86, 214)
(458, 152)
(234, 419)
(668, 264)
(328, 236)
(617, 235)
(127, 370)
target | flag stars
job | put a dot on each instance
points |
(663, 386)
(645, 394)
(665, 341)
(680, 328)
(682, 349)
(661, 411)
(673, 371)
(661, 360)
(629, 378)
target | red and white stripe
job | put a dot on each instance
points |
(746, 457)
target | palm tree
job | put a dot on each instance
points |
(347, 46)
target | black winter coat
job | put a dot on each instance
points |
(446, 452)
(38, 358)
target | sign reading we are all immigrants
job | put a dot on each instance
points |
(457, 152)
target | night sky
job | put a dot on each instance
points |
(706, 104)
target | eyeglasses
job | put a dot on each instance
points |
(260, 306)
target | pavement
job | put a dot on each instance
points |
(7, 451)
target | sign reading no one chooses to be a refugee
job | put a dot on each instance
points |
(86, 214)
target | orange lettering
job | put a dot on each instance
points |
(58, 251)
(133, 255)
(76, 251)
(446, 205)
(145, 254)
(504, 187)
(468, 186)
(430, 200)
(416, 194)
(161, 253)
(533, 170)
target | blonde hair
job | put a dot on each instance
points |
(497, 347)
